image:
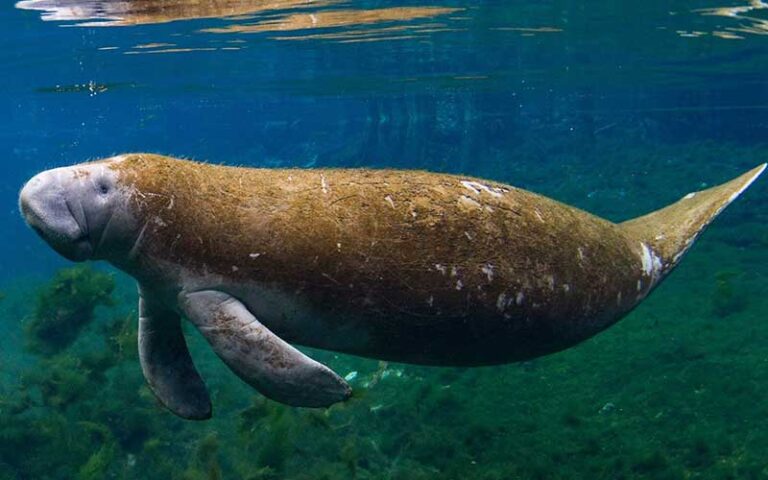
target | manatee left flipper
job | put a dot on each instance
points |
(166, 362)
(258, 356)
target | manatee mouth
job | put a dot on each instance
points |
(83, 243)
(76, 249)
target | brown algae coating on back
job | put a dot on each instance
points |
(437, 268)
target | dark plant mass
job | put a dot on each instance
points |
(65, 306)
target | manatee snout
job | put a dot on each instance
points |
(46, 208)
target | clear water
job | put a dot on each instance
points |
(615, 107)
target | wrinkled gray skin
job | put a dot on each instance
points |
(84, 214)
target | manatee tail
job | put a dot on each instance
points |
(669, 232)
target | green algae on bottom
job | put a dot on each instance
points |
(727, 298)
(65, 306)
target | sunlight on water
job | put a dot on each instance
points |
(265, 16)
(745, 16)
(344, 19)
(110, 13)
(401, 32)
(179, 50)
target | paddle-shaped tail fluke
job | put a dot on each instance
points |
(669, 232)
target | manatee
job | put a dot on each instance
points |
(407, 266)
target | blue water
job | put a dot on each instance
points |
(472, 98)
(615, 107)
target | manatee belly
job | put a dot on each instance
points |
(509, 327)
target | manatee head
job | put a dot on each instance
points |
(80, 211)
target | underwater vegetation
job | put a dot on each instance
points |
(728, 298)
(65, 306)
(675, 391)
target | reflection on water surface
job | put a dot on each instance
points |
(524, 43)
(110, 13)
(337, 18)
(253, 16)
(747, 16)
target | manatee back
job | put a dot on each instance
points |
(431, 266)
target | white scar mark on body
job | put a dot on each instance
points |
(477, 187)
(651, 262)
(652, 266)
(519, 298)
(487, 269)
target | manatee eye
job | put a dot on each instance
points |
(104, 188)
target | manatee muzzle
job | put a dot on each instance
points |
(46, 208)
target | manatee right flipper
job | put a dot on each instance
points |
(258, 356)
(166, 362)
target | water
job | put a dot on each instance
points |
(616, 108)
